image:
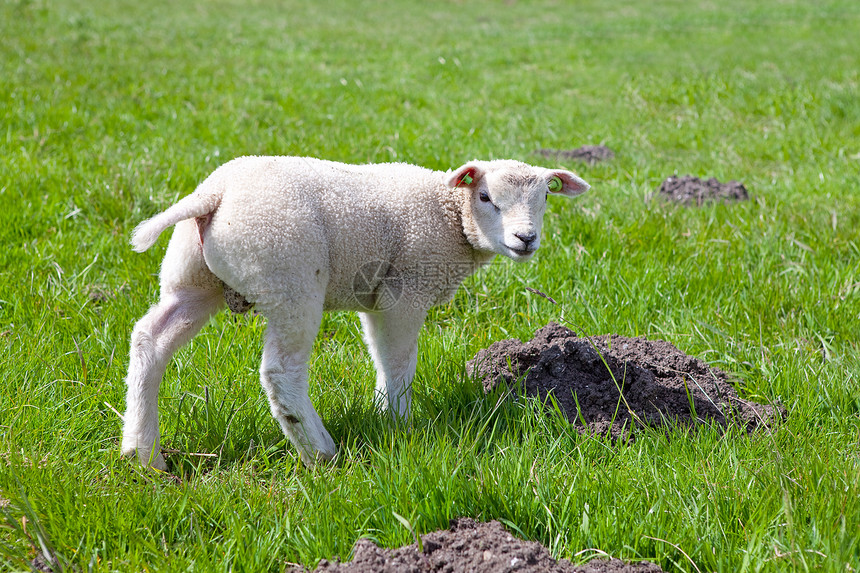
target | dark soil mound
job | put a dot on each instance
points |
(471, 547)
(42, 565)
(661, 385)
(586, 153)
(689, 190)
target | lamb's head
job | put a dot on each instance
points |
(504, 203)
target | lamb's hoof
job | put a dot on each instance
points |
(312, 457)
(398, 411)
(156, 462)
(153, 460)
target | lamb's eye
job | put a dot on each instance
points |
(485, 197)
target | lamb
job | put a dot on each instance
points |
(297, 236)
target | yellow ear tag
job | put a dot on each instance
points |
(555, 184)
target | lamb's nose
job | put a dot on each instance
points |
(526, 238)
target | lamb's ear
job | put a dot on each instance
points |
(466, 176)
(561, 182)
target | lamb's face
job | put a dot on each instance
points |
(507, 202)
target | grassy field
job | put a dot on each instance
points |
(112, 111)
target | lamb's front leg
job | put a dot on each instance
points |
(392, 338)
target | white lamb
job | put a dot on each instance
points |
(297, 236)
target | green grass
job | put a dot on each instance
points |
(112, 111)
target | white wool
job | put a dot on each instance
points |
(297, 236)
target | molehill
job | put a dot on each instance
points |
(469, 546)
(690, 190)
(612, 384)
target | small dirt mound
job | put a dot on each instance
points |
(42, 565)
(661, 385)
(586, 153)
(471, 547)
(689, 190)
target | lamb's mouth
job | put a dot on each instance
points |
(522, 253)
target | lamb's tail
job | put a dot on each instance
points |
(202, 202)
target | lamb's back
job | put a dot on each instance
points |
(282, 214)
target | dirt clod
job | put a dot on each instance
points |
(42, 565)
(469, 546)
(661, 385)
(689, 190)
(586, 153)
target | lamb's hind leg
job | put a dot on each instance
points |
(168, 325)
(284, 375)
